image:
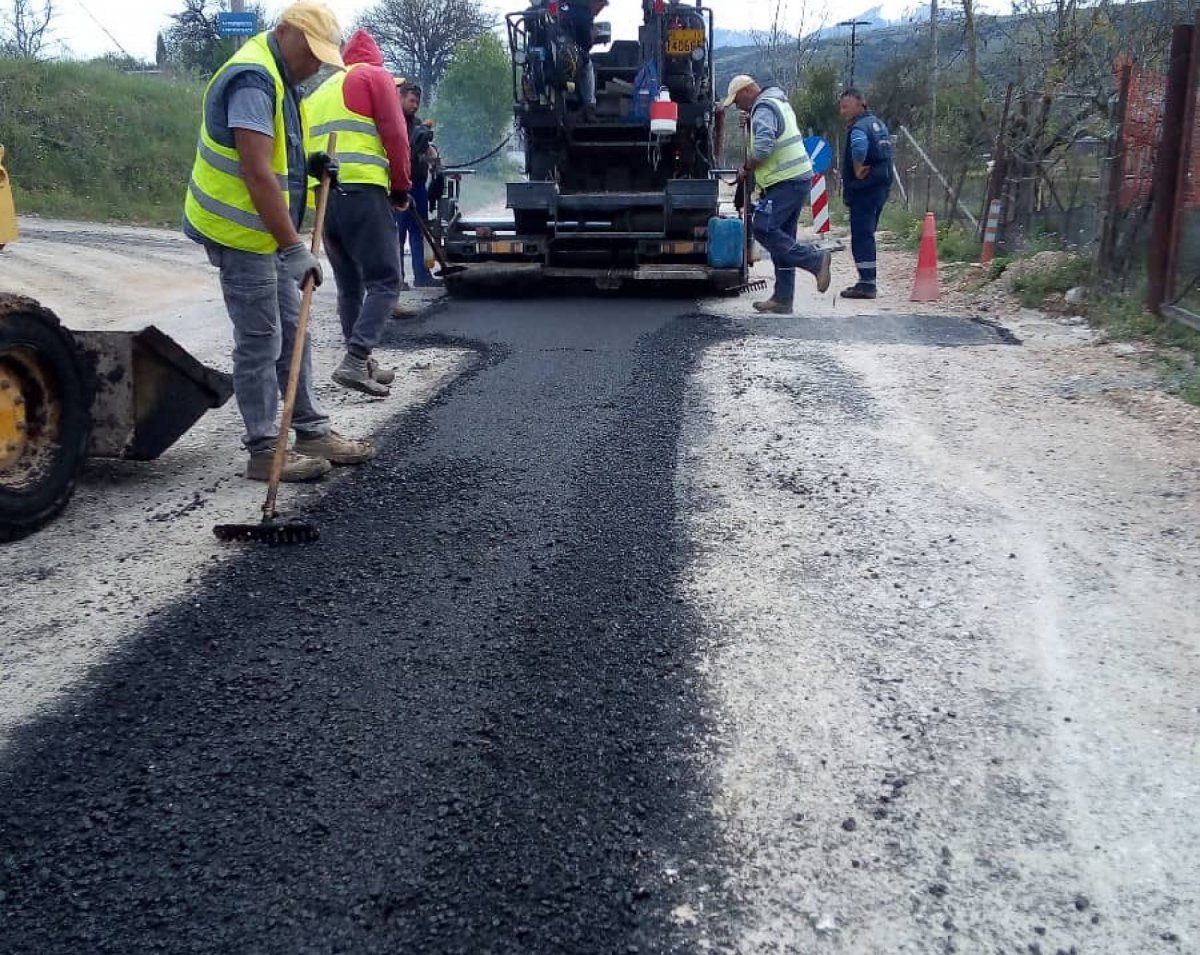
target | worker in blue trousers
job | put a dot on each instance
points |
(866, 180)
(783, 172)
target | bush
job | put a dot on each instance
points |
(1033, 286)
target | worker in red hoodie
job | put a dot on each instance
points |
(374, 179)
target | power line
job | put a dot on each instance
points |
(104, 29)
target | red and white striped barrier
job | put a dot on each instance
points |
(988, 252)
(820, 204)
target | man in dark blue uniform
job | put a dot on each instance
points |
(866, 181)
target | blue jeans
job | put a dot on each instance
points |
(263, 302)
(406, 226)
(366, 264)
(776, 216)
(865, 209)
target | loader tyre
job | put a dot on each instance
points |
(45, 421)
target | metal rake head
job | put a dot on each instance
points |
(273, 533)
(757, 285)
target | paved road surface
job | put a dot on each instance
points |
(565, 675)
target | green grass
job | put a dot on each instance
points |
(86, 141)
(1122, 316)
(955, 242)
(1033, 288)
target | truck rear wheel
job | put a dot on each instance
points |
(45, 422)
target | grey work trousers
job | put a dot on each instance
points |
(263, 302)
(360, 240)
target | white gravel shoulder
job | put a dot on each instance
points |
(138, 535)
(952, 598)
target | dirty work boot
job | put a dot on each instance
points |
(858, 290)
(335, 449)
(589, 114)
(352, 373)
(385, 376)
(296, 467)
(771, 307)
(823, 274)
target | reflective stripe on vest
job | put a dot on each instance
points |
(360, 153)
(218, 204)
(789, 159)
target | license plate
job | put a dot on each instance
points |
(682, 42)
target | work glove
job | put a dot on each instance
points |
(301, 263)
(321, 163)
(399, 199)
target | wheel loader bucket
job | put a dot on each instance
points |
(149, 391)
(8, 214)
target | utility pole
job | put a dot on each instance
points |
(853, 25)
(933, 85)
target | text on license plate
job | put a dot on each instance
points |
(682, 42)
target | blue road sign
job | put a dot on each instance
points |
(820, 152)
(237, 24)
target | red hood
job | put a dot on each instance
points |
(362, 48)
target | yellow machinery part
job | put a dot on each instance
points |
(8, 212)
(12, 418)
(30, 417)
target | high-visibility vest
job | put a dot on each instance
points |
(789, 159)
(360, 153)
(218, 204)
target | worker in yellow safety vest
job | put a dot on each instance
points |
(783, 172)
(361, 108)
(245, 203)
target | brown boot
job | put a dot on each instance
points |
(335, 449)
(296, 467)
(771, 307)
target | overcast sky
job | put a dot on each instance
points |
(87, 28)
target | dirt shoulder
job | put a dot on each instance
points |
(952, 684)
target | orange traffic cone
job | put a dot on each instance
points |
(925, 286)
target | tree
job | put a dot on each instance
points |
(193, 42)
(815, 101)
(474, 107)
(26, 29)
(418, 38)
(786, 52)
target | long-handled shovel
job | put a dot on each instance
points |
(444, 268)
(271, 528)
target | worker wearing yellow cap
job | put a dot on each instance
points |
(245, 203)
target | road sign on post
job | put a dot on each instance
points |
(820, 153)
(237, 24)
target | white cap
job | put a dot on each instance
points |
(736, 85)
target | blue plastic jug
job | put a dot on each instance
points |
(726, 243)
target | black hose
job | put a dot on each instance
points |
(484, 158)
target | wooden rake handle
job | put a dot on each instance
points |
(293, 382)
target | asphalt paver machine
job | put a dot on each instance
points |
(623, 194)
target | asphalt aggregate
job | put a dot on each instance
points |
(463, 721)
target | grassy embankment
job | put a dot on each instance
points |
(86, 141)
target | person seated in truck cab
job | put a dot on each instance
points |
(579, 21)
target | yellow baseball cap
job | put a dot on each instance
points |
(320, 27)
(736, 85)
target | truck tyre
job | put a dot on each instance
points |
(45, 416)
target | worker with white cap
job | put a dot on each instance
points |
(245, 203)
(783, 172)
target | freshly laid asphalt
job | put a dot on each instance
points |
(463, 721)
